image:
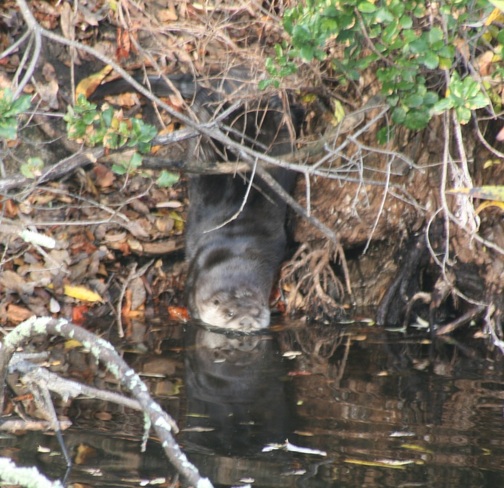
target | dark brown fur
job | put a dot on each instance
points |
(233, 261)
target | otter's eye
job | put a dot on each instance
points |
(216, 302)
(230, 314)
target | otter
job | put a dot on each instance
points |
(232, 267)
(233, 255)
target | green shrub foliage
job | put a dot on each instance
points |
(423, 53)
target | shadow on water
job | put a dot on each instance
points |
(388, 409)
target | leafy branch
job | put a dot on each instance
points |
(408, 44)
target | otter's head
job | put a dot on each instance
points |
(238, 308)
(230, 290)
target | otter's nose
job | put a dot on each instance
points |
(247, 321)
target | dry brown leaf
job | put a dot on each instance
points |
(104, 177)
(138, 293)
(123, 42)
(14, 282)
(114, 237)
(137, 228)
(88, 17)
(88, 85)
(167, 15)
(9, 209)
(84, 454)
(463, 48)
(66, 21)
(484, 63)
(17, 314)
(60, 256)
(135, 245)
(164, 224)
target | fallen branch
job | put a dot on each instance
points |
(104, 352)
(26, 477)
(62, 168)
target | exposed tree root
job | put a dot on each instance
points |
(312, 281)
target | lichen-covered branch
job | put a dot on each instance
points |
(104, 352)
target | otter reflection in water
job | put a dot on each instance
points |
(234, 253)
(237, 398)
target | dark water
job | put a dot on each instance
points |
(377, 409)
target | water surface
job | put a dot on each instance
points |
(372, 408)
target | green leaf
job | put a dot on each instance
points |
(478, 101)
(9, 111)
(20, 105)
(167, 179)
(430, 98)
(419, 10)
(398, 115)
(417, 119)
(397, 7)
(413, 101)
(408, 36)
(446, 52)
(346, 21)
(111, 140)
(119, 169)
(108, 115)
(32, 168)
(435, 35)
(301, 34)
(385, 135)
(8, 131)
(288, 69)
(418, 46)
(366, 7)
(442, 106)
(390, 32)
(445, 63)
(384, 15)
(144, 147)
(306, 53)
(263, 84)
(430, 60)
(463, 114)
(135, 161)
(406, 22)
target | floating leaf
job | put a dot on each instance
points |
(287, 446)
(417, 448)
(381, 464)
